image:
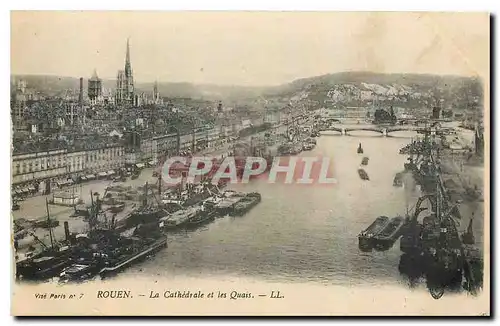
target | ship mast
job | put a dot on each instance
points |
(48, 224)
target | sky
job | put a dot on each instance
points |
(247, 48)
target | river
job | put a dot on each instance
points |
(300, 233)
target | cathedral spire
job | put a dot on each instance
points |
(128, 66)
(127, 58)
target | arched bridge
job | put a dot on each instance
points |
(385, 131)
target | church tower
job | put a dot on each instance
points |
(125, 81)
(128, 73)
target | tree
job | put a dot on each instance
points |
(382, 116)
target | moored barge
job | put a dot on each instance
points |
(365, 238)
(246, 204)
(386, 238)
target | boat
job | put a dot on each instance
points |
(143, 215)
(117, 208)
(246, 204)
(398, 180)
(308, 146)
(179, 218)
(79, 272)
(121, 178)
(123, 261)
(360, 149)
(47, 264)
(15, 205)
(363, 175)
(386, 238)
(315, 134)
(365, 238)
(215, 203)
(205, 215)
(311, 141)
(47, 224)
(364, 161)
(226, 205)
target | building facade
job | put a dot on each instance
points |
(38, 166)
(62, 163)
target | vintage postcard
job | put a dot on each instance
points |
(250, 163)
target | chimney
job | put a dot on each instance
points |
(80, 97)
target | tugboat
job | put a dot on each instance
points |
(363, 175)
(246, 203)
(366, 237)
(360, 149)
(386, 238)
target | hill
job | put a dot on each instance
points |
(346, 88)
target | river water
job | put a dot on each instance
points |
(301, 233)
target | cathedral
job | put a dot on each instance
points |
(125, 83)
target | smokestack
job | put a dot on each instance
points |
(66, 230)
(436, 113)
(80, 97)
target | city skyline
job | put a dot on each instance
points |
(173, 50)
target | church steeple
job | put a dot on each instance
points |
(128, 67)
(125, 81)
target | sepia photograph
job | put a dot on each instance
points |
(250, 163)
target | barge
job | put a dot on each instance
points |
(122, 262)
(44, 265)
(386, 238)
(203, 217)
(246, 204)
(179, 218)
(363, 175)
(365, 238)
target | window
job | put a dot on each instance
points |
(30, 167)
(18, 168)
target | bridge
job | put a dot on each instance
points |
(385, 131)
